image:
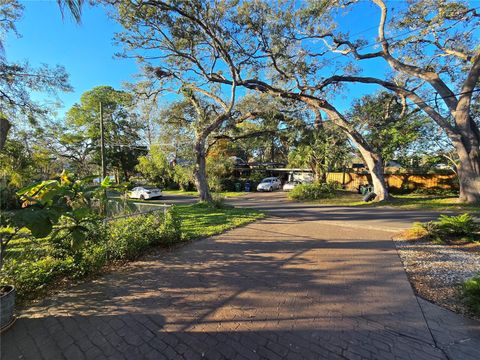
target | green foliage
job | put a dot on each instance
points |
(471, 293)
(68, 201)
(128, 237)
(315, 191)
(460, 225)
(61, 209)
(8, 198)
(172, 226)
(16, 164)
(40, 264)
(218, 202)
(155, 167)
(321, 150)
(389, 130)
(218, 168)
(450, 228)
(436, 191)
(183, 176)
(121, 129)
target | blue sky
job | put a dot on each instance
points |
(87, 50)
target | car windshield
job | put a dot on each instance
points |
(149, 187)
(266, 180)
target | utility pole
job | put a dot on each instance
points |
(104, 165)
(102, 144)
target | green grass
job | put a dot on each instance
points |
(194, 193)
(407, 202)
(201, 220)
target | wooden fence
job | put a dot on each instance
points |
(352, 181)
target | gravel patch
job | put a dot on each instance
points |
(437, 271)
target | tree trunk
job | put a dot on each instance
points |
(200, 171)
(4, 128)
(375, 165)
(372, 159)
(468, 171)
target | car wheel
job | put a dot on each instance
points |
(270, 189)
(142, 197)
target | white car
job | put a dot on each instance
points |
(144, 192)
(290, 185)
(269, 184)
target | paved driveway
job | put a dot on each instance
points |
(281, 288)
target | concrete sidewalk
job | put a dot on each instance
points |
(280, 288)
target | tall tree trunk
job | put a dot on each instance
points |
(200, 171)
(468, 142)
(4, 128)
(375, 165)
(468, 171)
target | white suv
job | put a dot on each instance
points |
(269, 184)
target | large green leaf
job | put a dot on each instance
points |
(106, 182)
(37, 221)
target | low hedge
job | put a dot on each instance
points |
(39, 264)
(315, 191)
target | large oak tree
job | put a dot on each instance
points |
(247, 44)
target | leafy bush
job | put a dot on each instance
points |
(447, 228)
(315, 191)
(436, 191)
(471, 293)
(172, 227)
(128, 237)
(461, 225)
(30, 276)
(218, 202)
(41, 263)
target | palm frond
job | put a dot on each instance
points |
(73, 6)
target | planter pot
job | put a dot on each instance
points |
(7, 306)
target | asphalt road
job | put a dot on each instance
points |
(383, 218)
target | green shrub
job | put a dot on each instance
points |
(128, 237)
(29, 277)
(446, 228)
(437, 191)
(315, 191)
(218, 202)
(460, 225)
(42, 262)
(172, 227)
(471, 293)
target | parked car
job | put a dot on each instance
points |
(269, 184)
(145, 192)
(290, 185)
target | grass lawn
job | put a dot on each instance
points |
(407, 202)
(201, 220)
(194, 193)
